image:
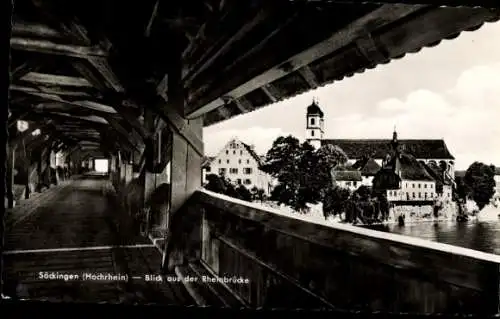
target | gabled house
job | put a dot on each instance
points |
(238, 162)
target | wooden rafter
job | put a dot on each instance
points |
(51, 79)
(49, 47)
(377, 18)
(52, 91)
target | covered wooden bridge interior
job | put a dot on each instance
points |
(136, 82)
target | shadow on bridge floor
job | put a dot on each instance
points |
(64, 246)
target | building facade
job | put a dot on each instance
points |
(239, 163)
(422, 169)
(496, 196)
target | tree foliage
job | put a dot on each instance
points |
(222, 185)
(480, 183)
(303, 173)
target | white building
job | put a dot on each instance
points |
(239, 163)
(496, 196)
(428, 151)
(422, 169)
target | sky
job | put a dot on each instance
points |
(450, 92)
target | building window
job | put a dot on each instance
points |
(432, 185)
(347, 183)
(419, 195)
(238, 181)
(406, 185)
(222, 171)
(432, 195)
(248, 161)
(354, 183)
(313, 122)
(227, 161)
(241, 152)
(233, 171)
(234, 152)
(227, 152)
(425, 185)
(239, 161)
(247, 170)
(312, 133)
(247, 181)
(425, 195)
(220, 161)
(413, 194)
(207, 169)
(413, 185)
(407, 196)
(418, 185)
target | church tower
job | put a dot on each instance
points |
(314, 125)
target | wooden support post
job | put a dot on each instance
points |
(186, 178)
(149, 178)
(10, 175)
(48, 173)
(185, 164)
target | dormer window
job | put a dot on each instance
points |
(313, 121)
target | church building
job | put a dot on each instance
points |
(423, 169)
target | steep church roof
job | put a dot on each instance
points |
(411, 169)
(379, 148)
(367, 166)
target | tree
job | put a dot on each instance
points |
(257, 193)
(461, 191)
(364, 192)
(302, 172)
(283, 163)
(215, 184)
(335, 200)
(480, 179)
(244, 193)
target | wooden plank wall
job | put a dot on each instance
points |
(292, 263)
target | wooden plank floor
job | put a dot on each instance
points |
(68, 230)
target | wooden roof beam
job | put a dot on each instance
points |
(90, 105)
(212, 54)
(309, 76)
(91, 118)
(243, 104)
(30, 29)
(51, 79)
(50, 91)
(377, 18)
(49, 47)
(24, 69)
(131, 120)
(271, 92)
(124, 134)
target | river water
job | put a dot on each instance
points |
(478, 235)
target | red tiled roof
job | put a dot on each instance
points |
(378, 148)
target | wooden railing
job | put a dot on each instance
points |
(292, 263)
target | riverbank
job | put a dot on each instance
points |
(315, 215)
